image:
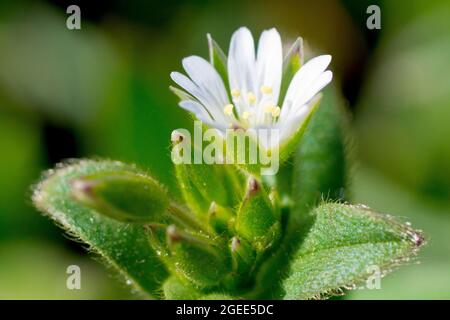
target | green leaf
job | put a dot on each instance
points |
(124, 246)
(343, 245)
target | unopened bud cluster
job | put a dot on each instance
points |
(215, 243)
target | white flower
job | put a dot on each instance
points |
(252, 100)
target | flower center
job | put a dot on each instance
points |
(248, 110)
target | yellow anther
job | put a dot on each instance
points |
(251, 97)
(246, 115)
(266, 89)
(228, 109)
(276, 112)
(269, 108)
(235, 93)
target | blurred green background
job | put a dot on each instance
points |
(103, 91)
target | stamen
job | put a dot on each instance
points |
(276, 112)
(235, 93)
(266, 89)
(228, 109)
(251, 97)
(269, 108)
(246, 115)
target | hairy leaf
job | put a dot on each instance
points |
(344, 246)
(123, 245)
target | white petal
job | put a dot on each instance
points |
(183, 95)
(266, 137)
(196, 108)
(314, 88)
(203, 97)
(221, 128)
(200, 113)
(241, 61)
(305, 76)
(299, 88)
(187, 84)
(206, 78)
(269, 63)
(291, 126)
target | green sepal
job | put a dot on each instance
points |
(183, 95)
(292, 62)
(157, 238)
(252, 158)
(122, 195)
(220, 219)
(197, 258)
(288, 147)
(245, 158)
(218, 59)
(257, 221)
(243, 257)
(203, 183)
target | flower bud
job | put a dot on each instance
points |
(197, 258)
(124, 196)
(243, 258)
(242, 254)
(157, 238)
(220, 219)
(257, 220)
